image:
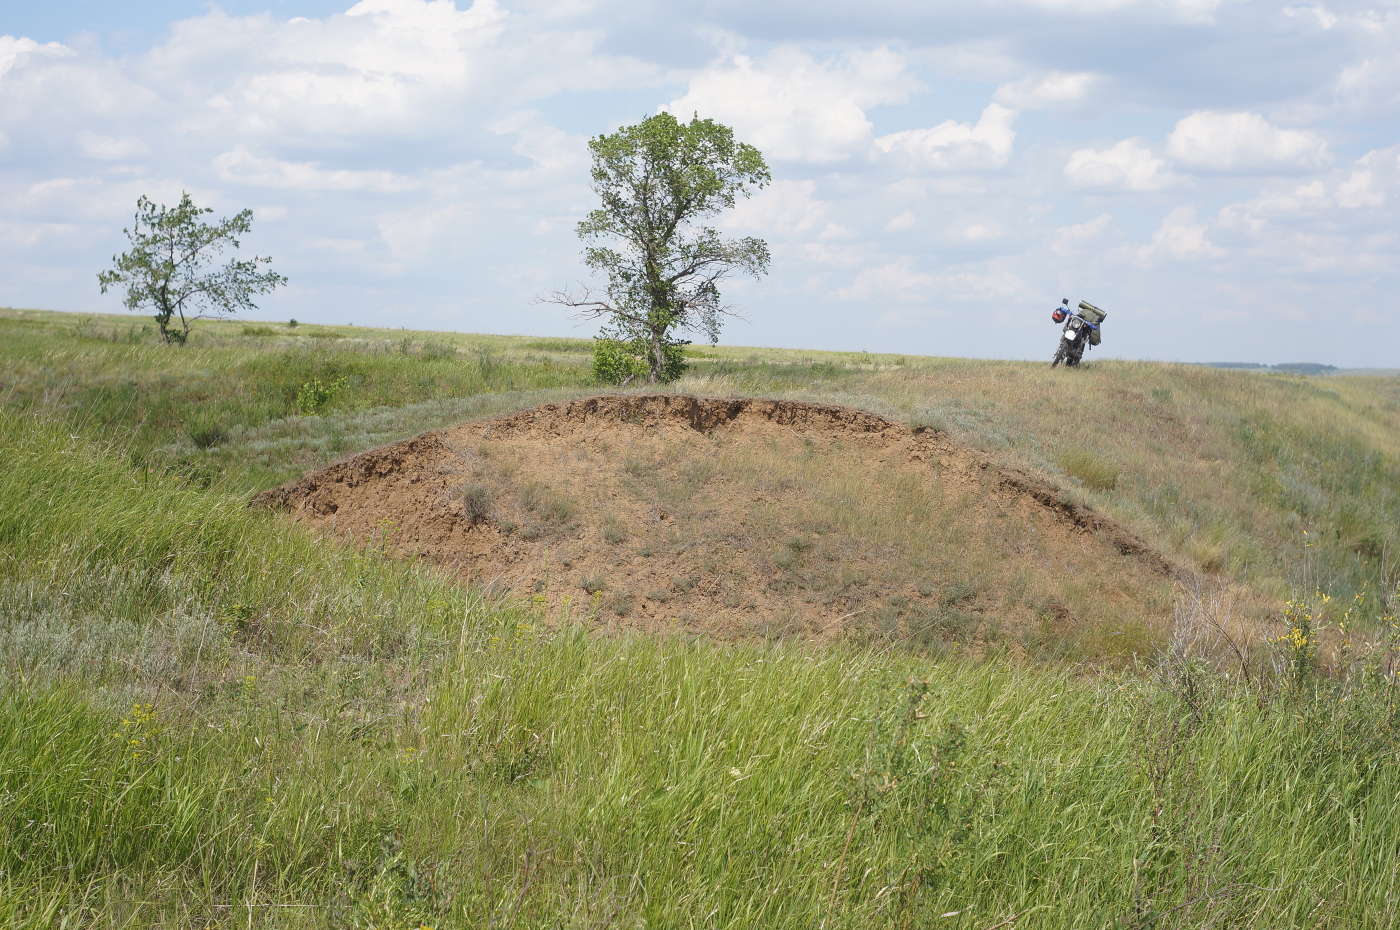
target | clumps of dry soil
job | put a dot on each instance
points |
(749, 517)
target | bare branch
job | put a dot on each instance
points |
(588, 304)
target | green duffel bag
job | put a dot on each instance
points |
(1091, 313)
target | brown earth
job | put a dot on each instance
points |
(746, 517)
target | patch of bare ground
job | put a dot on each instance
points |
(751, 518)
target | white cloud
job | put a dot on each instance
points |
(905, 220)
(1325, 18)
(1242, 142)
(546, 146)
(242, 167)
(13, 50)
(826, 255)
(896, 280)
(993, 283)
(1303, 197)
(1058, 90)
(794, 108)
(957, 146)
(784, 206)
(110, 148)
(1179, 238)
(1366, 186)
(1127, 166)
(420, 235)
(1190, 11)
(384, 64)
(1367, 86)
(1067, 240)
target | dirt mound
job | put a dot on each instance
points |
(749, 517)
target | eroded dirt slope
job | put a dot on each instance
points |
(749, 517)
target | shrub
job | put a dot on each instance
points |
(476, 503)
(620, 362)
(315, 394)
(615, 363)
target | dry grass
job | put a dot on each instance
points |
(1277, 481)
(1091, 470)
(809, 532)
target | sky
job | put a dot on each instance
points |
(1221, 176)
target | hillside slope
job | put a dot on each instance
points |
(1281, 483)
(211, 716)
(206, 712)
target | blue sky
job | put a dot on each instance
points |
(1222, 177)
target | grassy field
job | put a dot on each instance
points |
(212, 718)
(1284, 482)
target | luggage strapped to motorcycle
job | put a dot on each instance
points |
(1091, 313)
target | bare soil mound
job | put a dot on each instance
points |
(749, 517)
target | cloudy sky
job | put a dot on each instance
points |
(1221, 176)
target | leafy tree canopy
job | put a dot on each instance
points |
(168, 268)
(659, 181)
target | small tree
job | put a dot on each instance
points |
(167, 269)
(658, 180)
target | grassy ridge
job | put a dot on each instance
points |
(1283, 482)
(200, 408)
(210, 718)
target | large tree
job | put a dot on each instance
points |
(659, 181)
(168, 268)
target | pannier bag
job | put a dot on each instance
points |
(1091, 313)
(1094, 337)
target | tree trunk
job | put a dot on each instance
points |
(164, 312)
(658, 359)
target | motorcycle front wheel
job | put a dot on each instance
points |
(1059, 354)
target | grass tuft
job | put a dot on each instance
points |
(1095, 472)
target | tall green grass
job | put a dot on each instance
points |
(197, 406)
(246, 726)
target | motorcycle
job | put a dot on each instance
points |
(1081, 330)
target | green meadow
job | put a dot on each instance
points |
(212, 718)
